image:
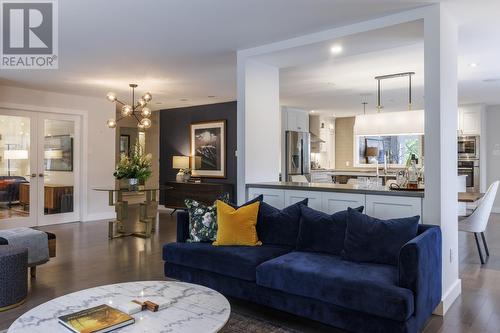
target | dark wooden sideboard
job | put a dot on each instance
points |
(206, 193)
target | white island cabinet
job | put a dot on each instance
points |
(335, 202)
(390, 207)
(314, 198)
(332, 198)
(274, 197)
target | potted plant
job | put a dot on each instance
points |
(134, 168)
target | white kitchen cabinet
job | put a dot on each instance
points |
(389, 207)
(333, 202)
(293, 196)
(469, 120)
(274, 197)
(296, 120)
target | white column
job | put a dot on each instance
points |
(440, 203)
(259, 115)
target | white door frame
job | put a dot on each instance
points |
(83, 114)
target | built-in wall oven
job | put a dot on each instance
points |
(470, 168)
(468, 160)
(468, 147)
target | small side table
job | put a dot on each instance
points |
(136, 211)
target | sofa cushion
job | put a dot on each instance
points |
(321, 232)
(279, 227)
(364, 287)
(369, 239)
(202, 220)
(237, 226)
(235, 261)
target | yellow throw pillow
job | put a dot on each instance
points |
(237, 226)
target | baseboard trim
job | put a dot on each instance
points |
(99, 216)
(448, 298)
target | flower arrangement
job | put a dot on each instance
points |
(135, 166)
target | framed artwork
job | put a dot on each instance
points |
(58, 150)
(124, 144)
(208, 149)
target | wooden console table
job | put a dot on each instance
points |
(136, 212)
(206, 193)
(52, 196)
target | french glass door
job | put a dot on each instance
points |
(39, 168)
(58, 168)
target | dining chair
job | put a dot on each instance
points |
(477, 221)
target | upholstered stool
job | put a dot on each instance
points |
(13, 276)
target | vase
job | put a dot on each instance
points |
(133, 184)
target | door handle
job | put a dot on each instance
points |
(33, 175)
(41, 175)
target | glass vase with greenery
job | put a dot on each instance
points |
(135, 167)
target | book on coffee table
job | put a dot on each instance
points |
(98, 319)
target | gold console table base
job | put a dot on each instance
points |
(132, 211)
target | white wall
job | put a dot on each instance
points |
(98, 145)
(492, 153)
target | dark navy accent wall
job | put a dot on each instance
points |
(174, 137)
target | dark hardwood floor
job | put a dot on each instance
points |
(86, 258)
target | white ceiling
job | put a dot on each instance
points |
(338, 84)
(186, 49)
(178, 49)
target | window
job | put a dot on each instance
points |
(397, 148)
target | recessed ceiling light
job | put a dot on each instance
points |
(312, 111)
(473, 64)
(158, 103)
(183, 99)
(211, 96)
(336, 49)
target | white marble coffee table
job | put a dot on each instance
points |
(193, 309)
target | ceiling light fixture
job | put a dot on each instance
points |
(392, 76)
(132, 110)
(473, 64)
(336, 49)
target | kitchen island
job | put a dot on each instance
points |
(379, 202)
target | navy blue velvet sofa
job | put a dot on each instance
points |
(357, 297)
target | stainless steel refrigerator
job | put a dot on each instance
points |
(298, 154)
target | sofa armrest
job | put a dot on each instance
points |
(420, 270)
(182, 226)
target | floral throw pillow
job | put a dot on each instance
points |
(203, 220)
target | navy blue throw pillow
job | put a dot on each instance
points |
(279, 227)
(321, 232)
(257, 198)
(369, 239)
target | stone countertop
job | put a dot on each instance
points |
(343, 188)
(360, 172)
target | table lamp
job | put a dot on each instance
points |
(14, 154)
(181, 163)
